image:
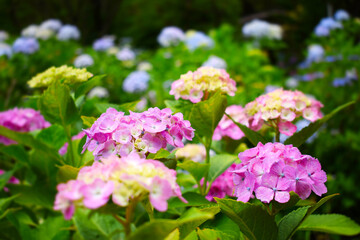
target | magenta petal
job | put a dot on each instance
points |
(282, 196)
(264, 194)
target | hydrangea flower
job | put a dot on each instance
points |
(30, 31)
(279, 108)
(63, 149)
(44, 33)
(215, 62)
(83, 61)
(68, 32)
(195, 85)
(124, 179)
(227, 128)
(126, 54)
(273, 170)
(99, 92)
(144, 66)
(351, 75)
(52, 24)
(315, 53)
(222, 186)
(21, 120)
(69, 74)
(146, 132)
(170, 36)
(341, 15)
(5, 50)
(261, 29)
(193, 152)
(103, 43)
(137, 81)
(325, 26)
(25, 45)
(197, 39)
(3, 36)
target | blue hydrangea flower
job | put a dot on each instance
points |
(52, 24)
(215, 62)
(196, 39)
(30, 31)
(3, 36)
(83, 61)
(103, 44)
(5, 50)
(322, 31)
(351, 75)
(126, 54)
(315, 53)
(137, 81)
(341, 15)
(25, 45)
(262, 29)
(325, 25)
(170, 36)
(68, 32)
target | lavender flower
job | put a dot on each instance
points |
(341, 15)
(25, 45)
(52, 24)
(83, 61)
(196, 39)
(215, 62)
(170, 36)
(103, 44)
(136, 81)
(126, 54)
(68, 32)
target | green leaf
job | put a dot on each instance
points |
(34, 195)
(4, 178)
(57, 106)
(16, 151)
(102, 107)
(254, 222)
(97, 226)
(277, 207)
(197, 170)
(88, 85)
(331, 223)
(211, 234)
(5, 202)
(300, 137)
(224, 224)
(321, 202)
(205, 115)
(165, 157)
(289, 223)
(88, 121)
(54, 136)
(66, 173)
(194, 199)
(194, 217)
(253, 136)
(54, 228)
(218, 164)
(29, 141)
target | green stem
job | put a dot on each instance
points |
(207, 161)
(277, 136)
(70, 151)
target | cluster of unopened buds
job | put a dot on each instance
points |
(21, 120)
(195, 86)
(147, 132)
(124, 179)
(273, 170)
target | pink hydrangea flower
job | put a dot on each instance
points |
(195, 85)
(222, 186)
(126, 179)
(21, 120)
(279, 109)
(272, 170)
(227, 127)
(146, 132)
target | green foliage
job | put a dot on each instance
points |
(218, 164)
(289, 224)
(88, 85)
(197, 170)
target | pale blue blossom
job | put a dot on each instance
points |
(103, 44)
(99, 92)
(30, 31)
(315, 53)
(83, 61)
(52, 24)
(341, 15)
(68, 32)
(215, 62)
(196, 39)
(3, 36)
(126, 54)
(170, 36)
(262, 29)
(5, 50)
(25, 45)
(137, 81)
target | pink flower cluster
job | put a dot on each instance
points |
(279, 108)
(123, 179)
(227, 127)
(146, 132)
(21, 120)
(273, 170)
(222, 186)
(63, 149)
(194, 86)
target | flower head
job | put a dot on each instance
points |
(193, 85)
(223, 185)
(341, 15)
(103, 44)
(197, 39)
(83, 61)
(146, 132)
(215, 62)
(5, 50)
(273, 170)
(124, 179)
(126, 54)
(136, 81)
(262, 29)
(69, 74)
(21, 120)
(3, 35)
(68, 32)
(170, 36)
(25, 45)
(193, 152)
(52, 24)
